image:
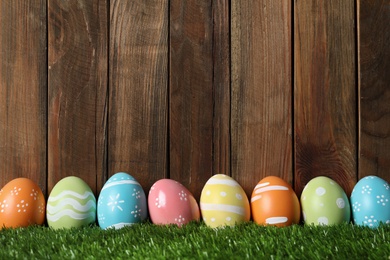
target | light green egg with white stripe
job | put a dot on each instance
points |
(71, 203)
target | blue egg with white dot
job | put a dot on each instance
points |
(122, 202)
(370, 201)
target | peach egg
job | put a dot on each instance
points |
(21, 204)
(274, 202)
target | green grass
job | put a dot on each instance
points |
(197, 241)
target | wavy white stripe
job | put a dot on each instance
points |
(223, 207)
(224, 182)
(274, 187)
(71, 193)
(71, 202)
(107, 185)
(70, 213)
(276, 220)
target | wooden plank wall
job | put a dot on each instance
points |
(23, 91)
(187, 89)
(325, 92)
(77, 90)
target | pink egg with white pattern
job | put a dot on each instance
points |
(170, 202)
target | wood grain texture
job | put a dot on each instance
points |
(191, 93)
(325, 92)
(261, 91)
(138, 89)
(374, 83)
(221, 87)
(77, 91)
(23, 91)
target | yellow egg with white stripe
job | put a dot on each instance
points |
(223, 202)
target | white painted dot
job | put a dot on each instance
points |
(238, 196)
(340, 203)
(212, 219)
(208, 193)
(223, 194)
(228, 219)
(320, 191)
(322, 220)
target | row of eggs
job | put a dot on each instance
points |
(122, 202)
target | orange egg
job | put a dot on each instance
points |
(21, 204)
(274, 202)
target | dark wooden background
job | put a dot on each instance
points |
(186, 89)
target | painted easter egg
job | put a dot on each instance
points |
(21, 204)
(223, 202)
(122, 202)
(274, 202)
(370, 200)
(169, 202)
(324, 202)
(71, 203)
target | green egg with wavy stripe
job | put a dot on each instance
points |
(71, 203)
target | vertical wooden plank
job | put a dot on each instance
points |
(221, 86)
(138, 89)
(325, 92)
(77, 90)
(23, 91)
(191, 93)
(374, 82)
(261, 91)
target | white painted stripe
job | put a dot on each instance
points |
(223, 182)
(70, 213)
(223, 207)
(107, 185)
(261, 185)
(276, 220)
(71, 193)
(120, 225)
(257, 197)
(273, 187)
(73, 203)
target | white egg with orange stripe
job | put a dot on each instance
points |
(223, 202)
